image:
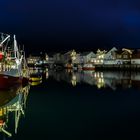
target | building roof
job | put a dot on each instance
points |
(86, 53)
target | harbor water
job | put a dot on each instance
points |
(85, 105)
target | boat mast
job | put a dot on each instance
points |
(16, 48)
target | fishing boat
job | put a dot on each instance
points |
(10, 61)
(35, 77)
(88, 67)
(35, 83)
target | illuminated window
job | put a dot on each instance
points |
(125, 56)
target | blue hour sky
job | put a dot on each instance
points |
(54, 25)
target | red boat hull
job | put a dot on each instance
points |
(9, 81)
(88, 68)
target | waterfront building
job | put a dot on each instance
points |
(69, 58)
(31, 60)
(57, 58)
(46, 57)
(100, 56)
(110, 54)
(123, 56)
(88, 57)
(109, 57)
(135, 60)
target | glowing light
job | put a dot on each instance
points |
(95, 75)
(73, 81)
(13, 66)
(102, 74)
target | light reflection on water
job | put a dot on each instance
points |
(12, 103)
(59, 108)
(101, 79)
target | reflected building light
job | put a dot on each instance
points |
(15, 106)
(47, 75)
(101, 74)
(73, 81)
(99, 86)
(95, 75)
(98, 75)
(100, 82)
(74, 77)
(69, 70)
(101, 61)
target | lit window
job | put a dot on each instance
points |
(125, 56)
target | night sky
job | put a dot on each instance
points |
(56, 25)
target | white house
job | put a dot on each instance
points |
(100, 56)
(110, 54)
(109, 57)
(88, 57)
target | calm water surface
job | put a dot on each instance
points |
(74, 106)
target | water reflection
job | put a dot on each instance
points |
(36, 75)
(12, 103)
(101, 79)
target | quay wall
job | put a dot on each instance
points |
(118, 67)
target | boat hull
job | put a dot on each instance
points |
(13, 73)
(88, 68)
(7, 81)
(35, 83)
(34, 79)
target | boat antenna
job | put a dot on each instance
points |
(16, 48)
